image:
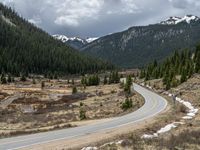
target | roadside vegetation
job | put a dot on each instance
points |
(179, 74)
(182, 140)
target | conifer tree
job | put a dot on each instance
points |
(42, 85)
(72, 81)
(9, 78)
(183, 76)
(3, 79)
(105, 80)
(23, 77)
(74, 90)
(128, 84)
(34, 82)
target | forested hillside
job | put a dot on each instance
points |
(25, 48)
(138, 46)
(175, 69)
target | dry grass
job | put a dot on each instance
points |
(55, 105)
(186, 139)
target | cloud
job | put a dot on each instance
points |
(35, 20)
(185, 4)
(99, 17)
(123, 7)
(73, 12)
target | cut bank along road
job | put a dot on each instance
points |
(154, 104)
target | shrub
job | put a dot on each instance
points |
(3, 79)
(42, 84)
(23, 78)
(81, 104)
(82, 114)
(181, 108)
(74, 90)
(127, 104)
(34, 82)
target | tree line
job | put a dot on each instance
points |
(175, 69)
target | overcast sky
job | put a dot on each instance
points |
(94, 18)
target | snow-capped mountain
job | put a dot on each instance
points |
(89, 40)
(176, 20)
(140, 45)
(74, 42)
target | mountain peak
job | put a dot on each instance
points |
(74, 42)
(175, 20)
(64, 38)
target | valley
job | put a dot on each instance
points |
(92, 77)
(28, 108)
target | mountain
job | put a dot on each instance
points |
(74, 42)
(25, 48)
(140, 45)
(175, 20)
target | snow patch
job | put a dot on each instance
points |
(7, 20)
(191, 113)
(65, 39)
(162, 130)
(89, 40)
(176, 20)
(170, 95)
(148, 86)
(187, 117)
(89, 148)
(110, 143)
(119, 142)
(62, 38)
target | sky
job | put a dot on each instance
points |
(95, 18)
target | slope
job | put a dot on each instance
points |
(138, 46)
(26, 48)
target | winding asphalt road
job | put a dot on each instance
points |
(154, 104)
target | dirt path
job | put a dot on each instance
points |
(7, 101)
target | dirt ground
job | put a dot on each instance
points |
(27, 108)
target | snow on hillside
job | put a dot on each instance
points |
(176, 20)
(64, 39)
(89, 40)
(7, 20)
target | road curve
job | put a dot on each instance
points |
(154, 104)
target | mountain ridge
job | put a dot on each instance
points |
(140, 45)
(75, 42)
(175, 20)
(25, 48)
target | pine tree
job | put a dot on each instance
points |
(34, 82)
(105, 80)
(142, 74)
(74, 90)
(128, 84)
(183, 76)
(3, 79)
(197, 59)
(9, 78)
(84, 81)
(82, 114)
(72, 81)
(23, 77)
(42, 85)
